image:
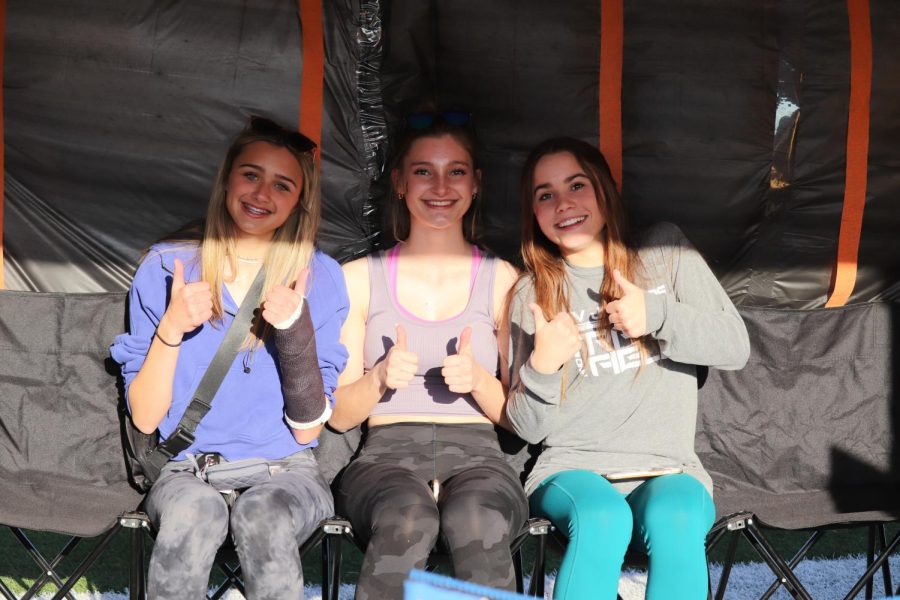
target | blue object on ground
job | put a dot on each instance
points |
(422, 585)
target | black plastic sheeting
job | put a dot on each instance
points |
(734, 123)
(117, 116)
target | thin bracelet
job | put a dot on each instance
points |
(159, 337)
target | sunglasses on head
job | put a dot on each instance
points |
(423, 120)
(293, 139)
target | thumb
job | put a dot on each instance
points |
(539, 320)
(623, 283)
(401, 338)
(178, 276)
(464, 345)
(300, 284)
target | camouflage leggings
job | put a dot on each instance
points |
(268, 522)
(386, 496)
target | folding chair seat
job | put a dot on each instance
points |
(61, 461)
(816, 447)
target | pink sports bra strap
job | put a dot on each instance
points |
(391, 259)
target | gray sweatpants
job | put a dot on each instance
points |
(268, 523)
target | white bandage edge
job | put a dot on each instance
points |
(323, 418)
(293, 318)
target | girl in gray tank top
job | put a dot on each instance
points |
(422, 371)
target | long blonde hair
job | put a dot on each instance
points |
(544, 263)
(293, 243)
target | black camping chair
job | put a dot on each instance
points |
(829, 378)
(61, 462)
(62, 427)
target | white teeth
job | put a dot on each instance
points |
(439, 203)
(255, 211)
(572, 221)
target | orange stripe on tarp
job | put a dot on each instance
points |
(857, 151)
(2, 134)
(312, 80)
(612, 17)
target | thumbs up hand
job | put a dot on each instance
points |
(628, 314)
(190, 304)
(461, 371)
(555, 341)
(281, 306)
(399, 364)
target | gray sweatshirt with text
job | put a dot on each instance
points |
(613, 418)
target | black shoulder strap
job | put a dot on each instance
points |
(201, 402)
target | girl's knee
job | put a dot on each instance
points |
(260, 512)
(585, 512)
(681, 507)
(409, 520)
(207, 514)
(463, 522)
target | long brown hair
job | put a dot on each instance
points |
(544, 262)
(436, 125)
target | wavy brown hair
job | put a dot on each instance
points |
(543, 261)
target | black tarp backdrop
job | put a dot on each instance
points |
(117, 115)
(734, 122)
(734, 127)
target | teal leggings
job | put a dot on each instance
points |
(665, 517)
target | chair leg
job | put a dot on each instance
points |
(517, 567)
(775, 562)
(727, 565)
(6, 592)
(326, 566)
(88, 561)
(137, 572)
(48, 569)
(536, 585)
(870, 557)
(873, 568)
(335, 557)
(886, 566)
(795, 560)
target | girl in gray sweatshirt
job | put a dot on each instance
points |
(606, 334)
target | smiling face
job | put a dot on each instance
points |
(263, 189)
(565, 206)
(438, 180)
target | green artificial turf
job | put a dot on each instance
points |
(18, 571)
